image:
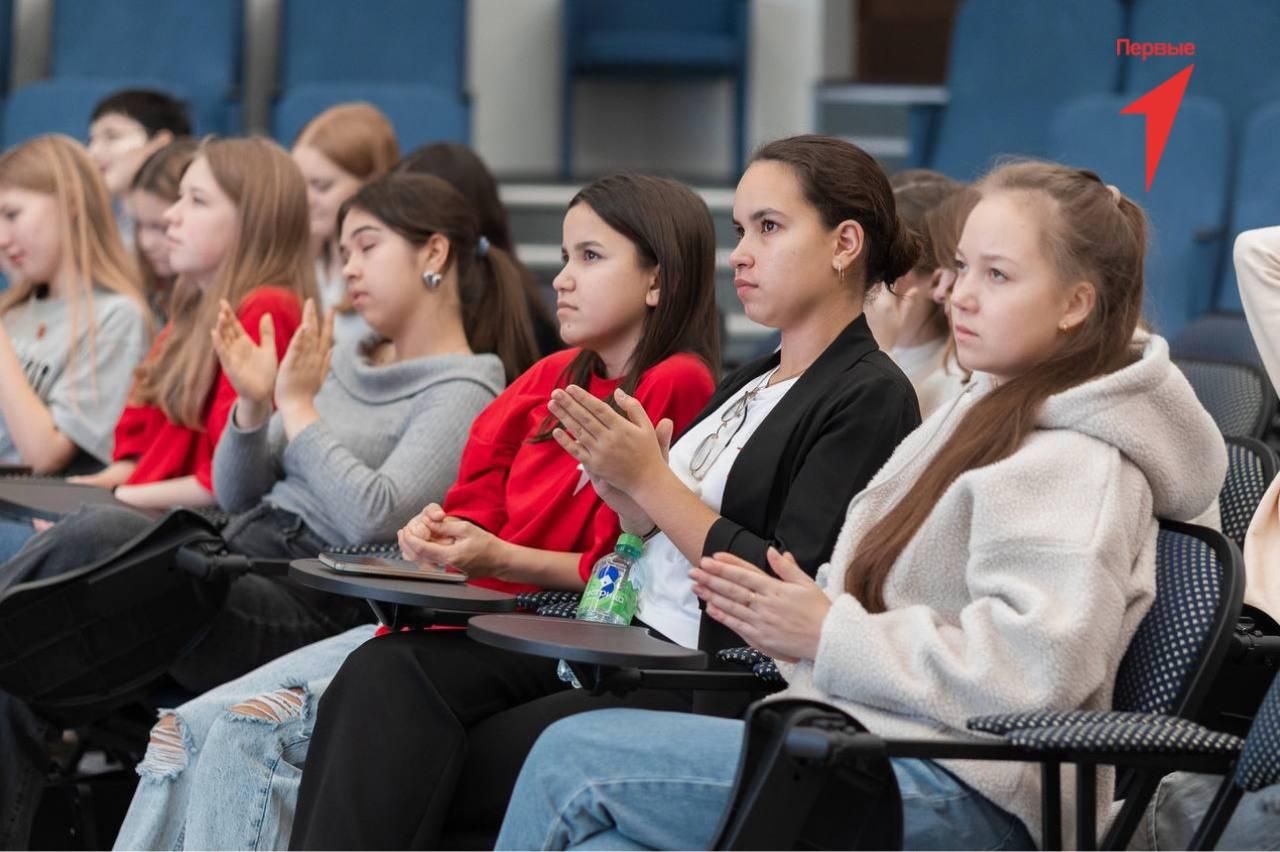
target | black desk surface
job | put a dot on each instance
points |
(50, 499)
(583, 642)
(421, 593)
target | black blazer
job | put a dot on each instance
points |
(791, 484)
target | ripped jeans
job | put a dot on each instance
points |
(222, 771)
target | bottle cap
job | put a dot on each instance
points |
(628, 543)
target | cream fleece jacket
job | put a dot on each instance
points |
(1025, 584)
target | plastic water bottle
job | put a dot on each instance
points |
(566, 674)
(610, 596)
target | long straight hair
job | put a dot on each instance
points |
(921, 196)
(671, 229)
(160, 175)
(494, 316)
(1088, 236)
(59, 166)
(271, 246)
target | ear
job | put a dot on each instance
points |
(433, 255)
(156, 142)
(849, 241)
(1081, 297)
(651, 296)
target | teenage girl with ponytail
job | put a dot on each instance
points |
(1000, 562)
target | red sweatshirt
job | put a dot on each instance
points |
(166, 450)
(533, 494)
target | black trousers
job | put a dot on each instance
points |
(420, 736)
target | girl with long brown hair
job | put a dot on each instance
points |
(999, 562)
(338, 151)
(907, 317)
(768, 457)
(73, 323)
(154, 190)
(237, 235)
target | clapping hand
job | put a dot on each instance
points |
(250, 367)
(306, 363)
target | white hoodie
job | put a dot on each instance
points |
(1023, 587)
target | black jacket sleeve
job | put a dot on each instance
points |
(845, 450)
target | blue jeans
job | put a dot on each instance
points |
(636, 779)
(215, 777)
(14, 533)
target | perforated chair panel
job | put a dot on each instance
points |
(537, 600)
(1003, 723)
(760, 663)
(1251, 466)
(1129, 739)
(1259, 764)
(1170, 644)
(1238, 396)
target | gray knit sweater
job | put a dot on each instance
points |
(387, 443)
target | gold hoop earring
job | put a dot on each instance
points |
(840, 273)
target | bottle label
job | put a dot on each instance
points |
(609, 593)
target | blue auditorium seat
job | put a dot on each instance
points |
(655, 38)
(407, 42)
(406, 57)
(420, 114)
(1237, 51)
(189, 46)
(63, 106)
(1011, 64)
(1187, 204)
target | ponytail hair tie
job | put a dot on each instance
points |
(1115, 193)
(482, 246)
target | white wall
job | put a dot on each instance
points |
(681, 127)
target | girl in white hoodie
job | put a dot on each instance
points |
(999, 562)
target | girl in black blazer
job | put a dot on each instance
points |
(817, 228)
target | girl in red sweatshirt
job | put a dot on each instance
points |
(237, 233)
(636, 303)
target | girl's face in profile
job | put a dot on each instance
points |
(782, 265)
(202, 223)
(1009, 302)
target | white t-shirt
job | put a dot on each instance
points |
(935, 381)
(85, 396)
(666, 599)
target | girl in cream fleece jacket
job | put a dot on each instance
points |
(1001, 561)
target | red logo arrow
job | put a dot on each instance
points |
(1160, 106)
